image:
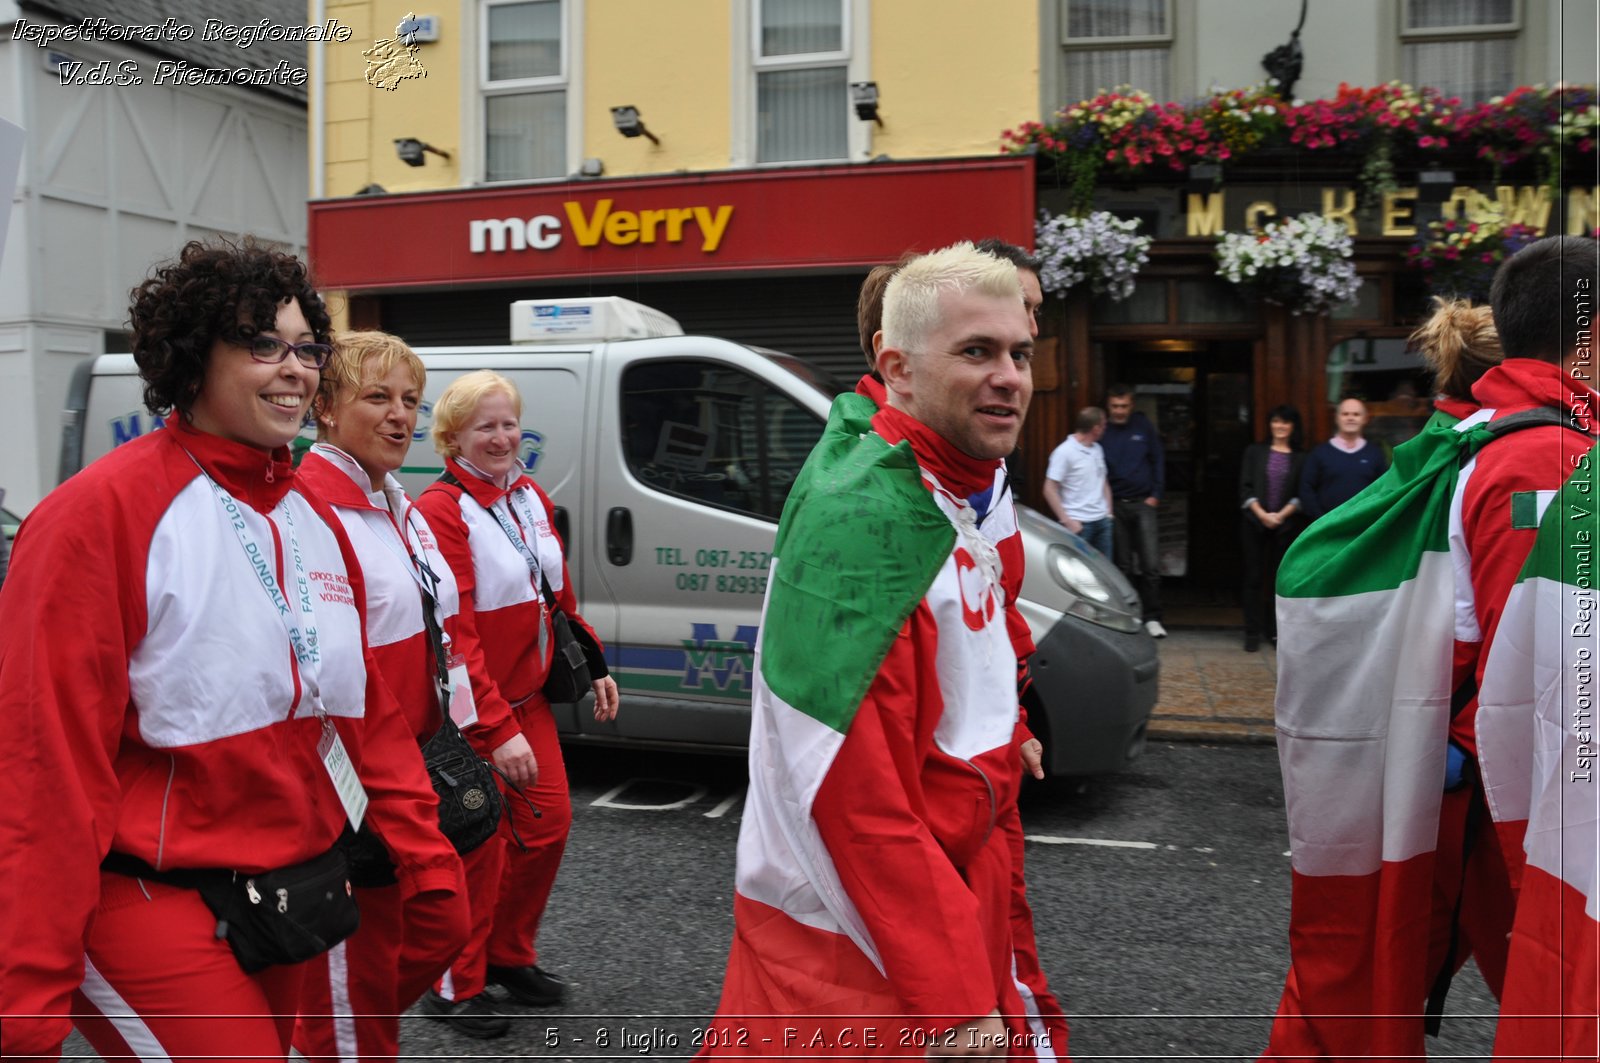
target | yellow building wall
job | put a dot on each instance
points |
(952, 75)
(670, 60)
(363, 122)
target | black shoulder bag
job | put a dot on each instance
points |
(470, 804)
(576, 659)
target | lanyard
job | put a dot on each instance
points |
(511, 499)
(302, 636)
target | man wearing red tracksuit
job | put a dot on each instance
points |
(354, 996)
(157, 709)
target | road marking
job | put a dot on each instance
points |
(609, 799)
(722, 808)
(1110, 843)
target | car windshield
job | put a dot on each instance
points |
(814, 375)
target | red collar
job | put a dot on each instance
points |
(255, 477)
(956, 472)
(482, 491)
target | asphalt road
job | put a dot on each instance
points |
(1161, 898)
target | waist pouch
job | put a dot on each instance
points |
(569, 666)
(283, 916)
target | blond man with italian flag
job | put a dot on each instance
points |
(873, 885)
(1424, 820)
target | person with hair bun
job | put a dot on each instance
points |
(193, 712)
(496, 528)
(1459, 343)
(366, 411)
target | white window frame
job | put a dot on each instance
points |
(1508, 31)
(854, 22)
(568, 80)
(1069, 44)
(1427, 34)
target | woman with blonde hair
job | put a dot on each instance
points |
(496, 527)
(366, 413)
(1459, 343)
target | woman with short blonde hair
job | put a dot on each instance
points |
(497, 530)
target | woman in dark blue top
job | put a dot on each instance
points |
(1270, 517)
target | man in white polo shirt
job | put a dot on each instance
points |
(1075, 482)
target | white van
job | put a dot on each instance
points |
(668, 458)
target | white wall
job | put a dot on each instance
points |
(113, 180)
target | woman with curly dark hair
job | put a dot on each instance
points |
(195, 718)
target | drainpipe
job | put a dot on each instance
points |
(319, 105)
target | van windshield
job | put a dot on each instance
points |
(815, 375)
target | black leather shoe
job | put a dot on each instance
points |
(528, 985)
(473, 1017)
(1252, 643)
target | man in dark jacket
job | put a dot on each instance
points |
(1339, 469)
(1136, 468)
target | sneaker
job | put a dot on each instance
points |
(473, 1017)
(1155, 629)
(528, 985)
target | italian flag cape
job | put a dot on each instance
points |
(1366, 625)
(1540, 689)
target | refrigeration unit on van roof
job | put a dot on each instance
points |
(591, 319)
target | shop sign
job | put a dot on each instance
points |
(812, 218)
(1207, 214)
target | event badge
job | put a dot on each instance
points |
(343, 773)
(463, 710)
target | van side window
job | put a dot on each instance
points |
(714, 434)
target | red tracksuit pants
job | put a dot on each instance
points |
(354, 994)
(158, 984)
(508, 888)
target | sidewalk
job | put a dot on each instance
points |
(1211, 690)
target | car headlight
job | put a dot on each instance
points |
(1093, 599)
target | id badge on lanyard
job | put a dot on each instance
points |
(302, 632)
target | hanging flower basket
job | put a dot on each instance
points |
(1100, 248)
(1459, 257)
(1303, 263)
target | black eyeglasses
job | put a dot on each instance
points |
(272, 351)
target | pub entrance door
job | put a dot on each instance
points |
(1197, 393)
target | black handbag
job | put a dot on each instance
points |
(568, 678)
(284, 916)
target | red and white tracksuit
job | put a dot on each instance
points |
(503, 607)
(1483, 873)
(354, 995)
(157, 709)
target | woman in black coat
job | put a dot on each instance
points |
(1270, 517)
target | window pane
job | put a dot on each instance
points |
(1146, 305)
(1432, 14)
(1473, 70)
(1201, 301)
(1089, 72)
(1116, 18)
(714, 434)
(525, 40)
(795, 27)
(1391, 380)
(801, 115)
(1368, 305)
(525, 136)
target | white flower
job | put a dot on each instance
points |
(1304, 262)
(1099, 248)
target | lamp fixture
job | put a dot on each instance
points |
(864, 97)
(629, 124)
(411, 150)
(1435, 185)
(592, 168)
